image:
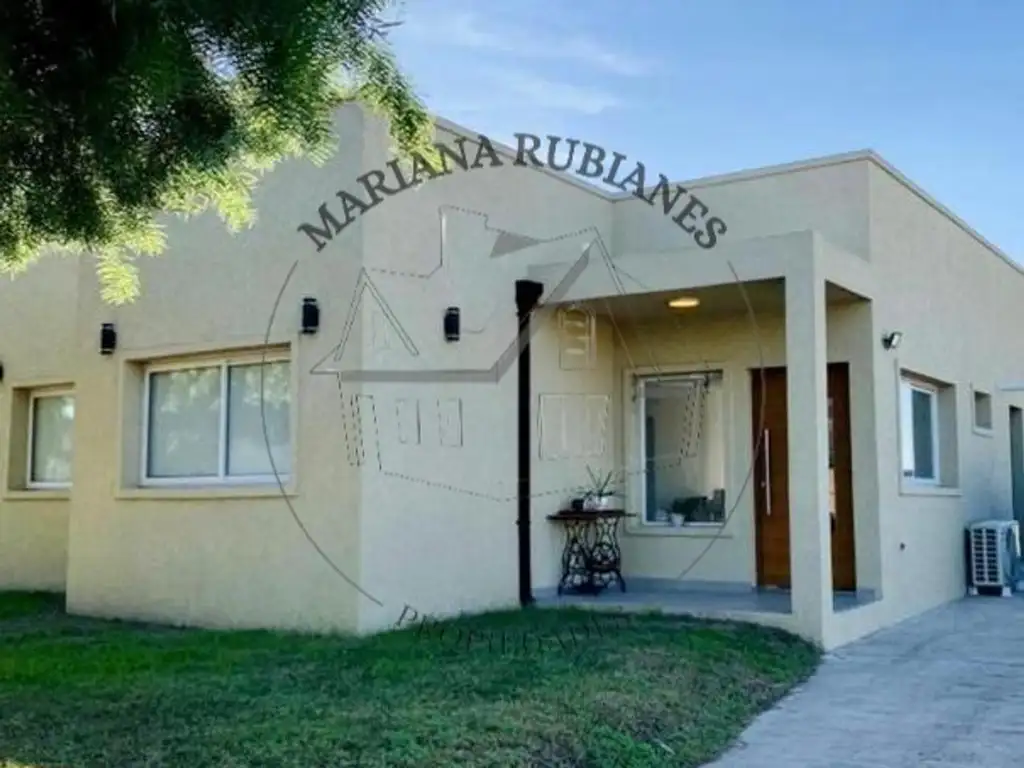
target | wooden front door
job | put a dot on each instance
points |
(771, 477)
(840, 471)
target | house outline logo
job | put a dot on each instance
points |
(506, 243)
(365, 286)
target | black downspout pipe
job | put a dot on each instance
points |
(528, 293)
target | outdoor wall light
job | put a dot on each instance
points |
(892, 339)
(310, 315)
(1, 372)
(108, 339)
(451, 324)
(684, 302)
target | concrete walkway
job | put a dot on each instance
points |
(943, 690)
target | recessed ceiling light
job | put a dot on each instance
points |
(684, 302)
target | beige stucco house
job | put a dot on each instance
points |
(220, 467)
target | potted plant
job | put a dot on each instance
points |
(686, 510)
(600, 495)
(677, 516)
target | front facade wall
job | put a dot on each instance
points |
(402, 494)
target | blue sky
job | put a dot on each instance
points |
(699, 88)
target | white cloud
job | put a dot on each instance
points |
(464, 30)
(586, 51)
(520, 94)
(549, 94)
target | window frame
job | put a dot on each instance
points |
(221, 479)
(933, 393)
(981, 429)
(30, 442)
(640, 380)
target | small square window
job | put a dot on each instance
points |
(982, 410)
(51, 420)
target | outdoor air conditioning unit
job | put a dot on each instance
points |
(994, 555)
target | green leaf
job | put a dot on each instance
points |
(111, 113)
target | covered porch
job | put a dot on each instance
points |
(741, 428)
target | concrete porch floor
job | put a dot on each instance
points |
(695, 600)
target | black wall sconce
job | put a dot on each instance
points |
(1, 372)
(451, 324)
(892, 340)
(310, 315)
(108, 339)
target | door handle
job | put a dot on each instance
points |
(767, 484)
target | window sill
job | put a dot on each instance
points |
(982, 431)
(38, 494)
(915, 489)
(691, 531)
(182, 493)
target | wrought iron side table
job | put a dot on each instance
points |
(591, 557)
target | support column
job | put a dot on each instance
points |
(807, 407)
(865, 347)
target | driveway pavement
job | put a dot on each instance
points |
(943, 690)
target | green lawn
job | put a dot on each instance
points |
(642, 691)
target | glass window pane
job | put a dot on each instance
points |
(247, 441)
(53, 421)
(907, 428)
(983, 410)
(184, 423)
(924, 436)
(684, 451)
(651, 470)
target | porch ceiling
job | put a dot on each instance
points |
(764, 296)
